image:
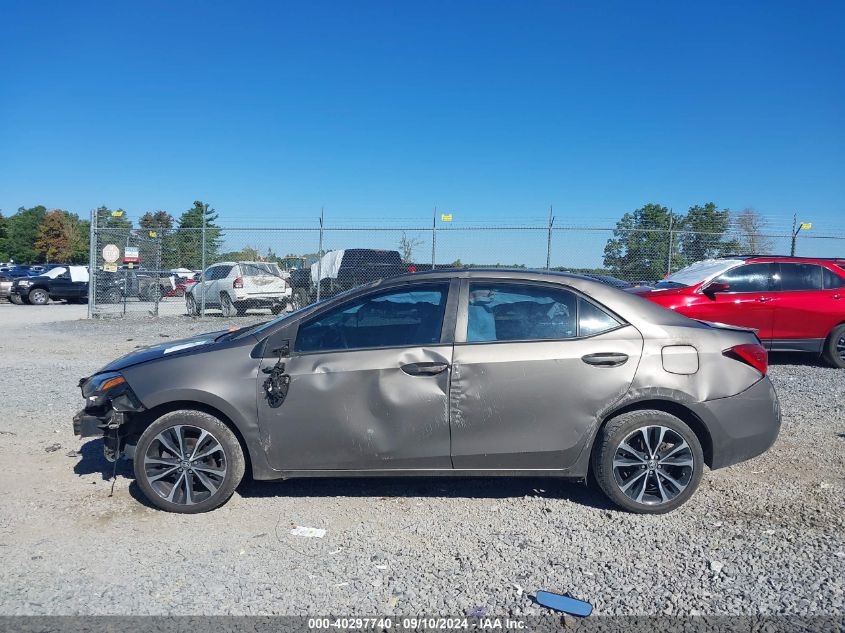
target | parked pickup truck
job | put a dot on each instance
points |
(63, 282)
(341, 270)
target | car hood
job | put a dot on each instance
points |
(181, 347)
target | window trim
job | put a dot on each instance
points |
(463, 311)
(447, 327)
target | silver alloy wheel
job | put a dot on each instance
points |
(191, 305)
(840, 347)
(653, 465)
(185, 464)
(39, 297)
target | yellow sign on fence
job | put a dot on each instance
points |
(806, 226)
(446, 217)
(110, 268)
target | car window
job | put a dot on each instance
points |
(593, 320)
(749, 278)
(831, 280)
(411, 316)
(520, 312)
(258, 269)
(800, 277)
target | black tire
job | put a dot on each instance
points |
(110, 295)
(39, 296)
(191, 305)
(657, 472)
(277, 308)
(16, 299)
(230, 459)
(241, 307)
(226, 305)
(150, 294)
(834, 347)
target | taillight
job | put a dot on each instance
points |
(412, 268)
(751, 354)
(238, 283)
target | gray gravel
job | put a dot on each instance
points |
(765, 537)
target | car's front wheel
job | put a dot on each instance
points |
(188, 461)
(648, 462)
(39, 297)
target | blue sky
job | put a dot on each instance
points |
(490, 110)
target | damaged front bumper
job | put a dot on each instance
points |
(107, 412)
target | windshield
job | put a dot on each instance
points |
(697, 272)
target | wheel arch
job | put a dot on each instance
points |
(672, 407)
(144, 420)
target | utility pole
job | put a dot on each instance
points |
(796, 229)
(549, 240)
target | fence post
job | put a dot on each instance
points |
(549, 240)
(671, 244)
(433, 237)
(202, 265)
(92, 265)
(157, 288)
(320, 255)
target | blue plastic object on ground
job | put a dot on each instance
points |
(564, 603)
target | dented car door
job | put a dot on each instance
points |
(366, 385)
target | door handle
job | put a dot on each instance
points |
(606, 359)
(424, 369)
(764, 299)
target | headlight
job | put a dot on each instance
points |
(110, 387)
(24, 282)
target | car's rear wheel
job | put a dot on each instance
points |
(834, 347)
(188, 462)
(39, 297)
(241, 307)
(226, 306)
(16, 299)
(648, 462)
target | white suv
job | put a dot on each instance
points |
(235, 287)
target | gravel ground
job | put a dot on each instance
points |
(764, 537)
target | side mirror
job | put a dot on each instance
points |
(714, 287)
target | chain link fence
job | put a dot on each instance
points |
(236, 270)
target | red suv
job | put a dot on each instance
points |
(796, 304)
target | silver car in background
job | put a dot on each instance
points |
(455, 372)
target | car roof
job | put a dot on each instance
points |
(788, 258)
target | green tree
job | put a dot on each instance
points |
(188, 243)
(4, 254)
(155, 240)
(639, 248)
(21, 234)
(703, 234)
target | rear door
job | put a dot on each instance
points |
(806, 306)
(749, 301)
(534, 365)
